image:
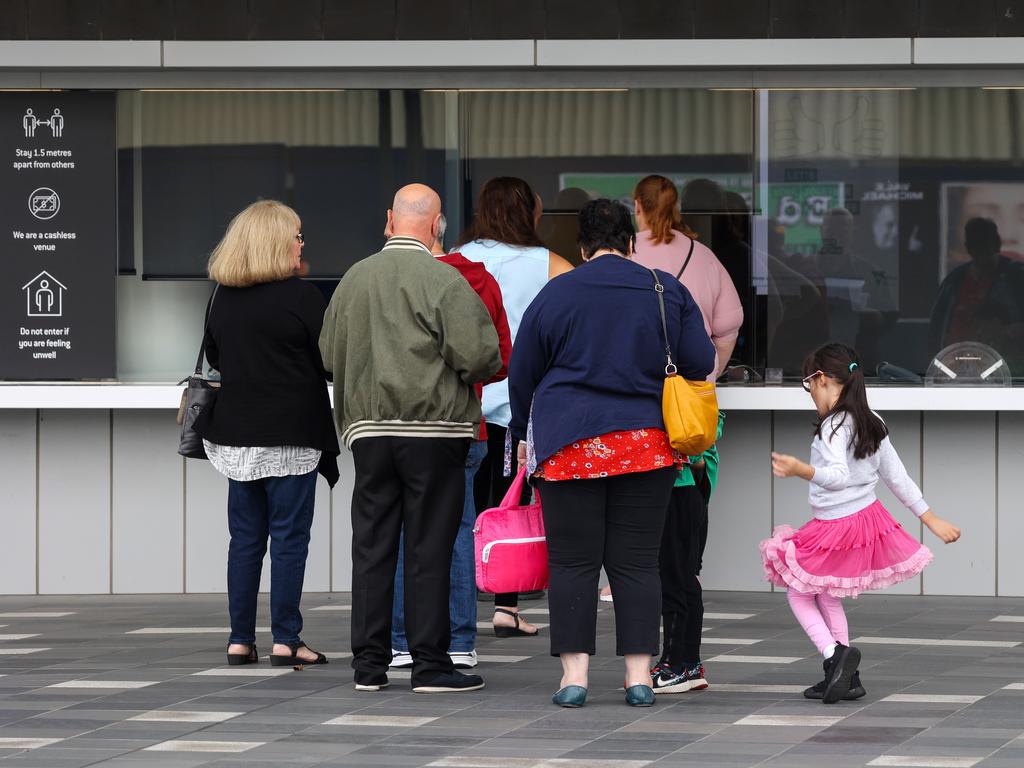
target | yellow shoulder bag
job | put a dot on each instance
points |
(690, 408)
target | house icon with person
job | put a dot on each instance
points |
(44, 296)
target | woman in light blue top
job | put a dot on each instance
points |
(503, 237)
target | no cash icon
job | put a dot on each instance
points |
(44, 203)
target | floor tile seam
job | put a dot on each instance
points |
(784, 748)
(983, 759)
(185, 702)
(959, 707)
(187, 736)
(37, 714)
(937, 726)
(702, 738)
(519, 727)
(60, 739)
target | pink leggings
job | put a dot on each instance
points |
(821, 616)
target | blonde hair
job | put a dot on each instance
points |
(257, 247)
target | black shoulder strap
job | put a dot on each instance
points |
(206, 325)
(670, 367)
(686, 263)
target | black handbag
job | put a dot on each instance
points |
(199, 394)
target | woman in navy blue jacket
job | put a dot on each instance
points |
(589, 362)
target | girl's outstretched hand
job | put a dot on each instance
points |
(784, 465)
(944, 529)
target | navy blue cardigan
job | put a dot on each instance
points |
(590, 353)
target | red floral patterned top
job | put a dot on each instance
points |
(614, 453)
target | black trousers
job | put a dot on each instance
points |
(490, 486)
(682, 602)
(613, 522)
(418, 482)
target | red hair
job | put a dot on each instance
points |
(659, 200)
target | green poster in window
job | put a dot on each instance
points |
(619, 186)
(800, 209)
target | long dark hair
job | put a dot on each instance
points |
(505, 212)
(841, 363)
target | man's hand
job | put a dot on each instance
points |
(521, 454)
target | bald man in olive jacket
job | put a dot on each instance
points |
(406, 338)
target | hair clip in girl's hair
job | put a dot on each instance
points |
(852, 366)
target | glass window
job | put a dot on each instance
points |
(888, 219)
(190, 160)
(575, 145)
(893, 222)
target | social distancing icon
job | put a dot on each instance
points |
(31, 122)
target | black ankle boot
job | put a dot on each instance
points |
(839, 671)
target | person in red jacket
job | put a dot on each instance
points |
(462, 597)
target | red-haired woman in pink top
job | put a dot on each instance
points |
(663, 242)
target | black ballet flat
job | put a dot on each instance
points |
(238, 659)
(294, 660)
(512, 631)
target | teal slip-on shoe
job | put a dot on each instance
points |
(571, 696)
(640, 696)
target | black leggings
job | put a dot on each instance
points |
(490, 486)
(682, 603)
(615, 522)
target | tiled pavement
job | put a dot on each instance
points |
(140, 681)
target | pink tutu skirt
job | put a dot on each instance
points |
(844, 557)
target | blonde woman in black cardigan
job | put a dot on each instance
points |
(270, 429)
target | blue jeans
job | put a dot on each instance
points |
(462, 596)
(280, 508)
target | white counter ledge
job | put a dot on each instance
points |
(731, 398)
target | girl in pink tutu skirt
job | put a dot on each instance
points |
(852, 543)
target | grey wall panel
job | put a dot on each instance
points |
(960, 483)
(148, 503)
(18, 480)
(792, 435)
(206, 528)
(74, 501)
(341, 535)
(1011, 503)
(740, 510)
(905, 431)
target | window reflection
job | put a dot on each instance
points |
(839, 214)
(867, 198)
(575, 146)
(335, 156)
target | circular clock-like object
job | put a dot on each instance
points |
(968, 364)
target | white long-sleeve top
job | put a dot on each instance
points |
(843, 485)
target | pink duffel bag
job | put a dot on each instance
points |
(511, 551)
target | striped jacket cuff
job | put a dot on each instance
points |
(398, 428)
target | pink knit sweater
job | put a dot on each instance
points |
(705, 278)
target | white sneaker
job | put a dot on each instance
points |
(463, 659)
(400, 659)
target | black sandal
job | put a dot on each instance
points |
(294, 660)
(238, 659)
(512, 631)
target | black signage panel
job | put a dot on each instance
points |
(58, 236)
